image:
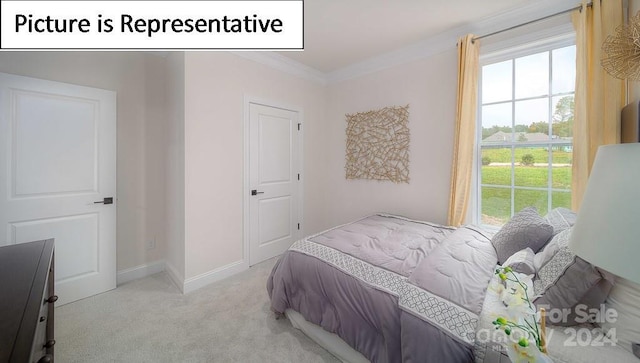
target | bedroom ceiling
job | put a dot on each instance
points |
(342, 32)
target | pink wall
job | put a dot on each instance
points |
(174, 167)
(215, 87)
(428, 85)
(180, 145)
(216, 84)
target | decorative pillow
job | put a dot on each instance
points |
(550, 249)
(566, 281)
(560, 219)
(522, 261)
(525, 229)
(625, 300)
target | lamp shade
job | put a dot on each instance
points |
(607, 230)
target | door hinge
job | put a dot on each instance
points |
(298, 226)
(298, 176)
(299, 126)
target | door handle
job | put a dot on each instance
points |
(255, 192)
(107, 200)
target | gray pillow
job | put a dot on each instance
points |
(561, 219)
(566, 281)
(550, 249)
(525, 229)
(521, 261)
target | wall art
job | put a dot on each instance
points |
(378, 145)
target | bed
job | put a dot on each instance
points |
(391, 289)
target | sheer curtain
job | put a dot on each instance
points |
(599, 97)
(464, 138)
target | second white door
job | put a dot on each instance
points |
(274, 181)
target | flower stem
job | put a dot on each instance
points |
(530, 328)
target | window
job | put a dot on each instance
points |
(525, 132)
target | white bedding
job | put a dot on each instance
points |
(567, 347)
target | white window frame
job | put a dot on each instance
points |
(514, 48)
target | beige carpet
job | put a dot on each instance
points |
(148, 320)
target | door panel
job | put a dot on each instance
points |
(75, 236)
(275, 149)
(63, 126)
(275, 220)
(57, 158)
(273, 174)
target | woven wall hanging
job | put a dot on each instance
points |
(378, 145)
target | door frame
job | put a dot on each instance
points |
(248, 100)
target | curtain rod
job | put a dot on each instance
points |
(579, 7)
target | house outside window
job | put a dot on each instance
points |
(525, 131)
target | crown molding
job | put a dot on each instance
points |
(419, 50)
(447, 40)
(415, 51)
(284, 64)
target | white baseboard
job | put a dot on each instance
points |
(185, 286)
(175, 276)
(196, 282)
(139, 272)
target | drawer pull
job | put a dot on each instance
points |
(42, 318)
(45, 359)
(52, 299)
(50, 343)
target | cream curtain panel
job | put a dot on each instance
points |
(464, 138)
(599, 98)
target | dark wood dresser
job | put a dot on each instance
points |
(26, 302)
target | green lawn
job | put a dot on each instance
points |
(496, 202)
(540, 155)
(527, 176)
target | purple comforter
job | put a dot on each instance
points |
(392, 288)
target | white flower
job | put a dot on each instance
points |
(529, 354)
(515, 298)
(520, 323)
(497, 287)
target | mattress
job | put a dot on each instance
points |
(329, 341)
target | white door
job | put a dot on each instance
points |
(273, 180)
(57, 159)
